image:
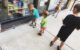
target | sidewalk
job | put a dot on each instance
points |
(25, 37)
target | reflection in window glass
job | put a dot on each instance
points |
(42, 5)
(19, 7)
(53, 4)
(3, 8)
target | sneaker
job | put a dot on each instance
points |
(34, 26)
(40, 34)
(53, 15)
(31, 24)
(51, 43)
(58, 48)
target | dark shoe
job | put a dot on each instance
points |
(53, 15)
(40, 34)
(58, 48)
(51, 43)
(31, 24)
(34, 26)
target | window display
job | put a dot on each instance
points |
(3, 9)
(13, 13)
(54, 3)
(42, 5)
(12, 9)
(19, 6)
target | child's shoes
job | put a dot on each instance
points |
(31, 24)
(40, 34)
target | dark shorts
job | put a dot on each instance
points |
(65, 32)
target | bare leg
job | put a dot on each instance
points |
(52, 42)
(34, 23)
(31, 23)
(55, 39)
(41, 31)
(61, 45)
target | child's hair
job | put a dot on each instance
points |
(45, 12)
(77, 6)
(30, 4)
(11, 12)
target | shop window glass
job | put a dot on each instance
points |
(18, 6)
(54, 3)
(42, 5)
(3, 9)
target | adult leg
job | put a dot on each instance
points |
(61, 45)
(52, 42)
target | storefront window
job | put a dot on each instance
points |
(64, 4)
(54, 3)
(18, 6)
(0, 8)
(74, 2)
(12, 9)
(42, 5)
(3, 9)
